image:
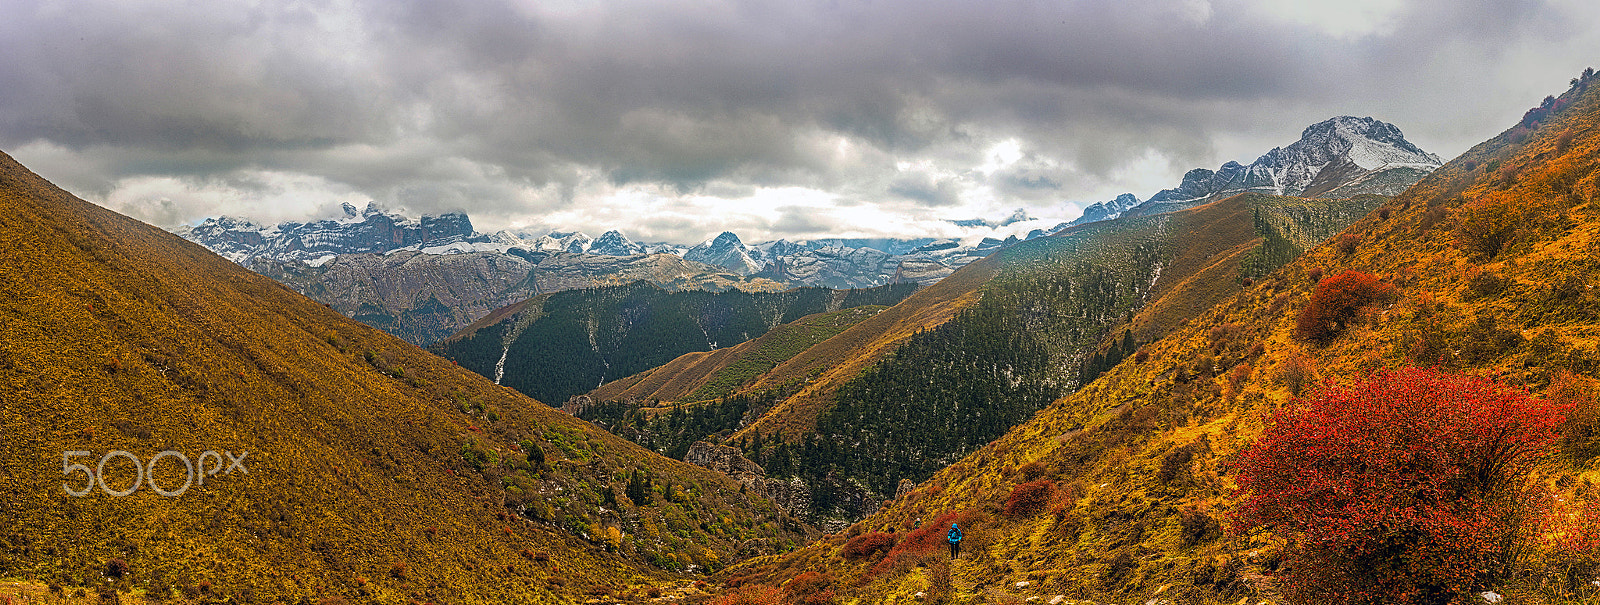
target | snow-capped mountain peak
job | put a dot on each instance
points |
(614, 243)
(1103, 211)
(1337, 157)
(375, 230)
(724, 250)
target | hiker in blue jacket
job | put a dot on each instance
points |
(955, 540)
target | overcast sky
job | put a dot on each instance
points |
(677, 119)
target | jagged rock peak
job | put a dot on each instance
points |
(725, 250)
(725, 239)
(1369, 143)
(614, 243)
(1103, 211)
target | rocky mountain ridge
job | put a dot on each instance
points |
(424, 298)
(1343, 156)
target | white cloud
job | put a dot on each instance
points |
(1342, 19)
(677, 119)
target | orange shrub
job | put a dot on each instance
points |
(1336, 301)
(1487, 226)
(1568, 546)
(1033, 470)
(1348, 243)
(1580, 436)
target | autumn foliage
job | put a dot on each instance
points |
(1028, 499)
(809, 588)
(868, 544)
(1401, 488)
(754, 594)
(1336, 301)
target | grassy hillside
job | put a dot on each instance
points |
(372, 471)
(1493, 258)
(706, 375)
(567, 343)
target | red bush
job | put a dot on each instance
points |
(809, 588)
(1402, 488)
(868, 544)
(1336, 301)
(1031, 498)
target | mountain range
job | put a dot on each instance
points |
(1339, 157)
(424, 297)
(424, 278)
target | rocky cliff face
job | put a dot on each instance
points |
(614, 243)
(1104, 211)
(792, 496)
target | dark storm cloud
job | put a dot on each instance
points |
(508, 108)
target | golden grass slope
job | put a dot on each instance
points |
(1138, 457)
(361, 480)
(705, 375)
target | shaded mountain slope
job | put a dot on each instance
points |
(1492, 256)
(1054, 318)
(705, 375)
(374, 472)
(564, 344)
(823, 367)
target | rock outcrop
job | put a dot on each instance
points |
(793, 496)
